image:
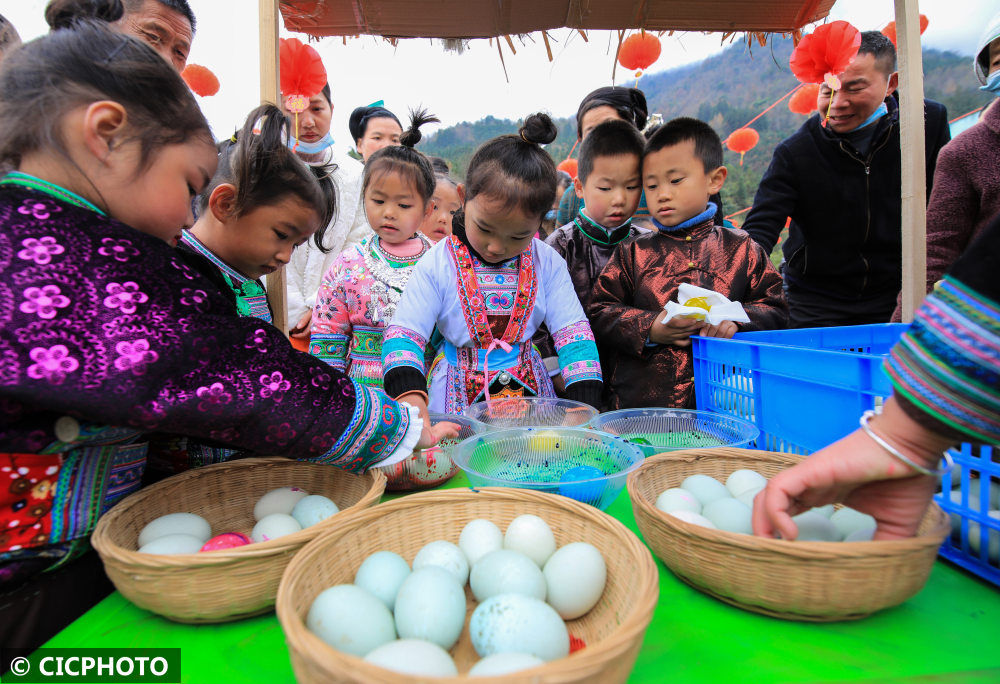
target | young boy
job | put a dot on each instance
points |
(651, 362)
(609, 183)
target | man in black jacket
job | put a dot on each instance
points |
(840, 184)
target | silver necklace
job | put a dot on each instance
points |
(387, 289)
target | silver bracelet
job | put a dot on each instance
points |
(900, 456)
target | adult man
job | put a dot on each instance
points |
(840, 184)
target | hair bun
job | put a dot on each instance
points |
(411, 136)
(63, 14)
(539, 129)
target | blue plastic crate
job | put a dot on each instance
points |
(805, 389)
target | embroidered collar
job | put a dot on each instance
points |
(598, 233)
(393, 260)
(241, 286)
(51, 189)
(706, 215)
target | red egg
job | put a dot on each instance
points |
(227, 540)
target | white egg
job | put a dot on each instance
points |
(513, 623)
(414, 657)
(176, 523)
(350, 619)
(170, 544)
(574, 578)
(281, 500)
(677, 499)
(695, 518)
(532, 536)
(504, 663)
(847, 520)
(706, 489)
(443, 554)
(749, 495)
(313, 509)
(430, 605)
(382, 573)
(506, 572)
(815, 526)
(826, 511)
(479, 538)
(742, 480)
(992, 536)
(273, 526)
(729, 515)
(862, 534)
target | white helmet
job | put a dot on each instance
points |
(981, 64)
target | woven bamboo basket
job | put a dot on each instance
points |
(220, 586)
(812, 581)
(612, 630)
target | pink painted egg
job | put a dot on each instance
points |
(227, 540)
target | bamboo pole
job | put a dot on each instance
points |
(268, 23)
(914, 177)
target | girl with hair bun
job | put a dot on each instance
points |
(359, 294)
(489, 286)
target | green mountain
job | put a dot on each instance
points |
(727, 90)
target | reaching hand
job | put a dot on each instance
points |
(303, 327)
(433, 434)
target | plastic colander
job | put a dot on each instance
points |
(530, 412)
(655, 430)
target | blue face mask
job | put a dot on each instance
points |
(312, 147)
(875, 116)
(992, 84)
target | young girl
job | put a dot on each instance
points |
(262, 202)
(105, 331)
(489, 286)
(359, 294)
(445, 205)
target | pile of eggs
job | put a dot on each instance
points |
(407, 619)
(279, 512)
(705, 501)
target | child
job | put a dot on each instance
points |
(446, 204)
(262, 202)
(489, 286)
(359, 294)
(608, 180)
(105, 331)
(652, 363)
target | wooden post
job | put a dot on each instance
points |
(914, 176)
(269, 92)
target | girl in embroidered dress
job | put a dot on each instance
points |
(359, 294)
(489, 286)
(262, 202)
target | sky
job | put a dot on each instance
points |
(470, 86)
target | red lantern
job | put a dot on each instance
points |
(570, 166)
(302, 72)
(639, 51)
(825, 52)
(200, 80)
(804, 99)
(890, 30)
(742, 140)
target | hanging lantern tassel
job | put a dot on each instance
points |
(742, 140)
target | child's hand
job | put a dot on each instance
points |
(725, 330)
(433, 434)
(302, 328)
(676, 331)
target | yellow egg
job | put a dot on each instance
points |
(700, 302)
(543, 440)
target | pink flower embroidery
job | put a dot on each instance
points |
(135, 356)
(124, 296)
(323, 442)
(213, 398)
(193, 298)
(274, 386)
(44, 301)
(280, 434)
(40, 210)
(51, 364)
(121, 250)
(258, 341)
(321, 379)
(40, 251)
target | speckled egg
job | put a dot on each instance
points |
(513, 623)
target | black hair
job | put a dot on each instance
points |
(563, 179)
(404, 159)
(325, 92)
(264, 171)
(9, 36)
(358, 123)
(43, 80)
(64, 13)
(180, 6)
(609, 139)
(648, 131)
(707, 146)
(630, 103)
(878, 45)
(515, 169)
(442, 171)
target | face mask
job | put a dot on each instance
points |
(877, 114)
(551, 214)
(992, 84)
(311, 147)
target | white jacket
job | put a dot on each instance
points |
(349, 227)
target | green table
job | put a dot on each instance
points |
(950, 632)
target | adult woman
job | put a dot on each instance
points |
(372, 128)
